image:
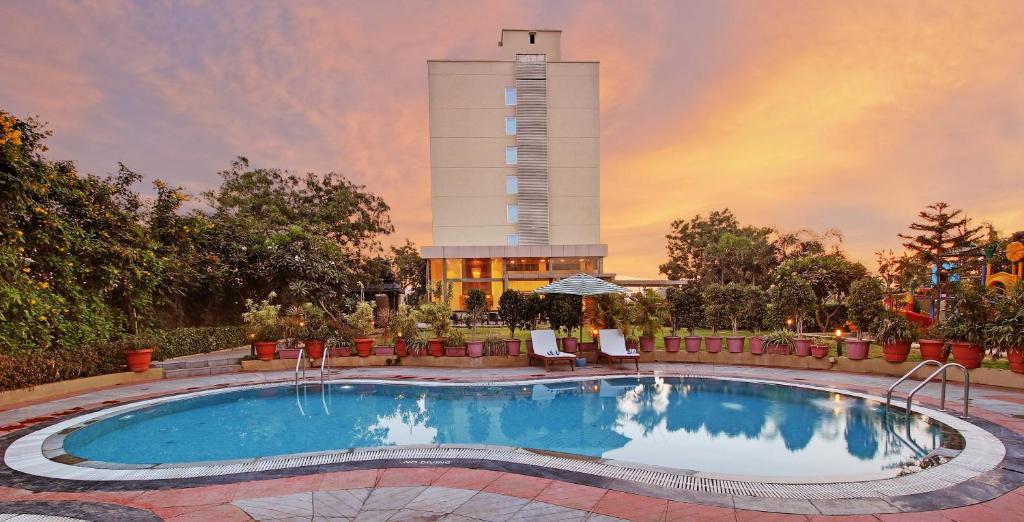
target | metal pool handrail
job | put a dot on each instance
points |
(326, 358)
(942, 400)
(298, 363)
(888, 395)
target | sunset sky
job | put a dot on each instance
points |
(851, 115)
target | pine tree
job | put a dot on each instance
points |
(941, 230)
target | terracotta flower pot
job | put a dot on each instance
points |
(857, 349)
(647, 344)
(138, 360)
(756, 345)
(896, 352)
(934, 350)
(713, 344)
(455, 351)
(289, 353)
(1015, 356)
(672, 343)
(569, 344)
(364, 347)
(475, 348)
(401, 348)
(819, 351)
(529, 346)
(342, 351)
(633, 345)
(384, 350)
(436, 347)
(265, 350)
(967, 354)
(735, 344)
(778, 349)
(802, 347)
(513, 346)
(692, 343)
(314, 348)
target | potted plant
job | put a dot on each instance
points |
(895, 333)
(387, 320)
(476, 309)
(361, 322)
(648, 310)
(495, 345)
(261, 321)
(138, 351)
(735, 307)
(715, 314)
(932, 346)
(754, 310)
(513, 309)
(965, 324)
(418, 344)
(315, 331)
(455, 343)
(821, 347)
(337, 347)
(779, 342)
(863, 307)
(685, 309)
(1006, 331)
(564, 313)
(438, 317)
(405, 329)
(793, 296)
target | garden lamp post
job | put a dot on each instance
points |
(839, 342)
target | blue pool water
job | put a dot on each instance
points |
(710, 425)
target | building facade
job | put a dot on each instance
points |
(514, 168)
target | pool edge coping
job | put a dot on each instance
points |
(969, 468)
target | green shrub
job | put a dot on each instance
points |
(59, 365)
(179, 342)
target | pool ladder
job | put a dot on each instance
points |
(299, 365)
(943, 368)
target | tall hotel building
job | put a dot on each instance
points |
(515, 169)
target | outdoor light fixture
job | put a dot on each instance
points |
(839, 342)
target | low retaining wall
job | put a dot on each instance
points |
(53, 390)
(986, 376)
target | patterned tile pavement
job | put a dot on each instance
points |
(454, 493)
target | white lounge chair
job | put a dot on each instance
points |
(545, 348)
(613, 348)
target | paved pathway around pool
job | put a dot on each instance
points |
(450, 493)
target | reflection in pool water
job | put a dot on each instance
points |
(711, 425)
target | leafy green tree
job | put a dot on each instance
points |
(410, 270)
(941, 230)
(754, 310)
(792, 295)
(718, 249)
(864, 304)
(733, 304)
(476, 306)
(716, 311)
(686, 307)
(649, 312)
(564, 311)
(830, 277)
(513, 310)
(77, 265)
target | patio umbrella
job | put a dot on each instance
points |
(582, 285)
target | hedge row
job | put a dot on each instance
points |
(178, 342)
(44, 367)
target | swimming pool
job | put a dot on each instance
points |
(727, 427)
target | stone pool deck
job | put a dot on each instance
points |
(439, 491)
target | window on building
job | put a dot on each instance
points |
(510, 126)
(511, 155)
(533, 38)
(512, 212)
(528, 264)
(511, 185)
(510, 96)
(512, 240)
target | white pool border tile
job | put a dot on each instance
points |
(982, 452)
